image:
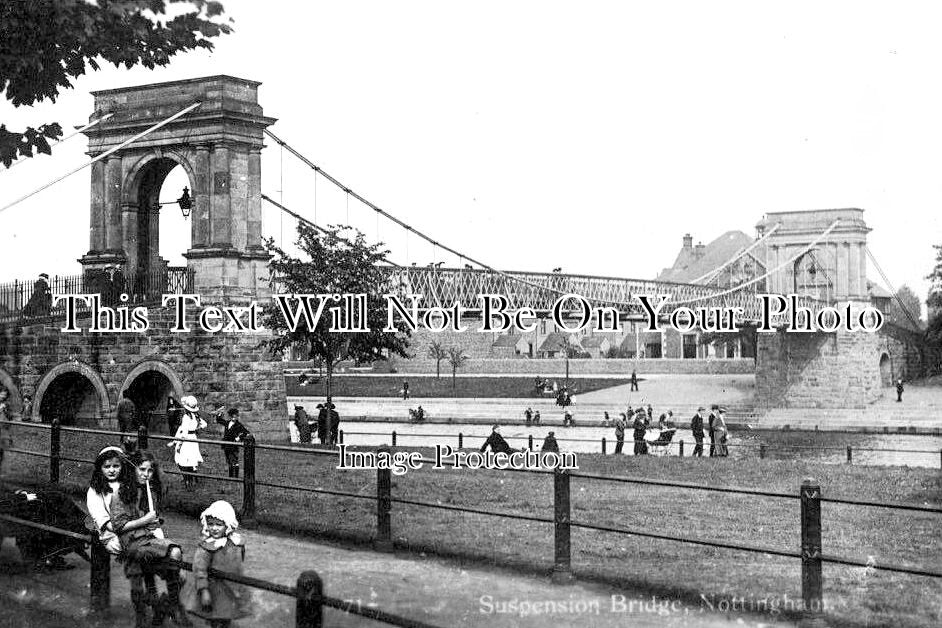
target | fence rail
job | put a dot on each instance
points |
(309, 588)
(809, 495)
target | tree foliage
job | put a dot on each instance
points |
(913, 307)
(336, 264)
(934, 303)
(47, 43)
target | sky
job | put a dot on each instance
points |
(589, 136)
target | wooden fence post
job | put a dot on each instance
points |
(248, 519)
(309, 611)
(394, 438)
(461, 440)
(761, 451)
(562, 560)
(811, 576)
(99, 577)
(850, 454)
(603, 446)
(55, 449)
(383, 541)
(681, 448)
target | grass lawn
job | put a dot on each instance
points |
(422, 387)
(853, 596)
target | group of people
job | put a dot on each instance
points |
(716, 428)
(499, 444)
(326, 425)
(640, 420)
(124, 499)
(185, 421)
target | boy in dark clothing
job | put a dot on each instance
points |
(550, 444)
(233, 432)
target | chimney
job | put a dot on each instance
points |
(698, 252)
(688, 241)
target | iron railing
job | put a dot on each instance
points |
(29, 301)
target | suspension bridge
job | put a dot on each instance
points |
(215, 129)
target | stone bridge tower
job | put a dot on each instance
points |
(218, 145)
(79, 377)
(818, 370)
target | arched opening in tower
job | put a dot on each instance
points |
(163, 233)
(150, 391)
(72, 399)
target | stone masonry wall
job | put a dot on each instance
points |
(230, 368)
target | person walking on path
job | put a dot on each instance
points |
(696, 426)
(186, 450)
(233, 432)
(640, 426)
(302, 425)
(621, 423)
(899, 391)
(634, 380)
(126, 414)
(333, 422)
(721, 433)
(711, 430)
(405, 390)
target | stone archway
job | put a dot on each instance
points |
(886, 370)
(148, 385)
(141, 208)
(14, 400)
(74, 393)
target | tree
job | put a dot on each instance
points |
(438, 353)
(48, 42)
(913, 305)
(335, 265)
(934, 304)
(456, 358)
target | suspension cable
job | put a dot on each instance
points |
(708, 277)
(67, 137)
(328, 232)
(164, 122)
(318, 169)
(826, 233)
(909, 315)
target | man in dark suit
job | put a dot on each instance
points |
(497, 442)
(233, 432)
(712, 432)
(696, 426)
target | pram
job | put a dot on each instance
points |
(39, 547)
(662, 444)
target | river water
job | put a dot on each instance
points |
(826, 447)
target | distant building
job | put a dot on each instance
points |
(511, 346)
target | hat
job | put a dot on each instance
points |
(44, 275)
(722, 408)
(223, 511)
(701, 408)
(495, 428)
(190, 404)
(551, 433)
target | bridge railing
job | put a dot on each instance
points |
(28, 301)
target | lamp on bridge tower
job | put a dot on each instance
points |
(185, 202)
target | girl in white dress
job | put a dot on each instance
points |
(186, 450)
